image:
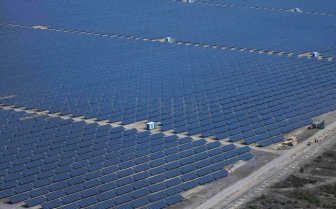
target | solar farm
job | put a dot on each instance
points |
(223, 81)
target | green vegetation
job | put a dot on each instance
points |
(252, 207)
(331, 189)
(307, 196)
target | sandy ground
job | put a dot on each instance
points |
(7, 206)
(312, 186)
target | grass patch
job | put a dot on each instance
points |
(307, 196)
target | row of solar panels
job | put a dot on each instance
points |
(311, 6)
(226, 101)
(128, 46)
(167, 109)
(242, 116)
(221, 130)
(61, 171)
(256, 124)
(177, 20)
(283, 91)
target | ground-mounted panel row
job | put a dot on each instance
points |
(60, 163)
(225, 95)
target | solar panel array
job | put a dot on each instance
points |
(55, 162)
(327, 7)
(233, 26)
(93, 59)
(242, 97)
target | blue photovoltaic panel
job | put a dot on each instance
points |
(94, 177)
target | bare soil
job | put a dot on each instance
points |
(312, 186)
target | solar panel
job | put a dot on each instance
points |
(157, 187)
(157, 196)
(141, 160)
(173, 182)
(180, 155)
(52, 204)
(203, 171)
(200, 149)
(188, 168)
(18, 198)
(185, 140)
(87, 202)
(174, 199)
(246, 156)
(203, 163)
(189, 185)
(123, 190)
(243, 150)
(174, 190)
(228, 147)
(139, 202)
(67, 199)
(201, 156)
(157, 205)
(141, 184)
(170, 138)
(270, 141)
(213, 145)
(215, 151)
(171, 151)
(185, 146)
(140, 193)
(124, 181)
(123, 199)
(198, 142)
(205, 179)
(172, 165)
(157, 178)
